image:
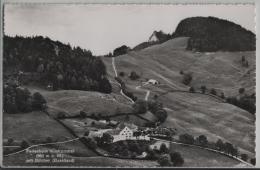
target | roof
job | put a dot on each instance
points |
(114, 131)
(152, 80)
(153, 37)
(120, 127)
(123, 125)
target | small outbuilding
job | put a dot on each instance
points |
(152, 81)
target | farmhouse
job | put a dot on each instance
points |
(153, 37)
(126, 132)
(152, 81)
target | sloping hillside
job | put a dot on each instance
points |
(220, 70)
(195, 113)
(72, 102)
(38, 128)
(200, 114)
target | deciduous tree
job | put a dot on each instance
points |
(176, 159)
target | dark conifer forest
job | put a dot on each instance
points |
(54, 64)
(214, 34)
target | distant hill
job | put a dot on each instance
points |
(214, 34)
(54, 63)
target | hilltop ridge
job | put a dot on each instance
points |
(214, 34)
(207, 34)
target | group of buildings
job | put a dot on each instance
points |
(127, 131)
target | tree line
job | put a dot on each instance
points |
(219, 145)
(56, 64)
(154, 106)
(242, 99)
(20, 100)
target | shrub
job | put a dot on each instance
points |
(150, 153)
(105, 86)
(122, 74)
(213, 91)
(187, 78)
(230, 149)
(86, 133)
(246, 64)
(16, 99)
(107, 138)
(203, 89)
(176, 159)
(134, 76)
(82, 114)
(38, 101)
(161, 115)
(91, 143)
(247, 103)
(6, 151)
(155, 97)
(220, 145)
(23, 100)
(164, 161)
(157, 109)
(140, 106)
(202, 140)
(163, 148)
(24, 144)
(133, 155)
(48, 140)
(222, 95)
(181, 72)
(243, 59)
(186, 138)
(108, 55)
(121, 50)
(154, 106)
(192, 90)
(10, 141)
(61, 115)
(252, 161)
(150, 124)
(244, 157)
(93, 123)
(241, 90)
(124, 89)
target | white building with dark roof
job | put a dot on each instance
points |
(126, 132)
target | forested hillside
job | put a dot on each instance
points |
(214, 34)
(55, 64)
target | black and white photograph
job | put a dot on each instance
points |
(128, 85)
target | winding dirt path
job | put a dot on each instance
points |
(146, 91)
(116, 75)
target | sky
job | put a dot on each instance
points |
(102, 28)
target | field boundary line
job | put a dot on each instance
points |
(43, 144)
(209, 149)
